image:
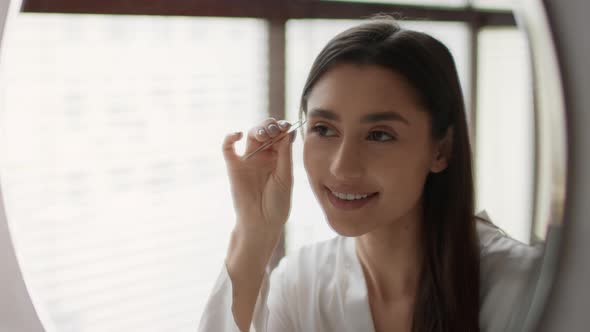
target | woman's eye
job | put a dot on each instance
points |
(377, 135)
(380, 136)
(321, 130)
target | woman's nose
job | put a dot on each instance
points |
(347, 163)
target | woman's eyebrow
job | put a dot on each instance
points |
(369, 118)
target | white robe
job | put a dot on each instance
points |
(321, 287)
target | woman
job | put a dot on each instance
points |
(387, 154)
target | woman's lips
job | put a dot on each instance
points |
(346, 190)
(347, 205)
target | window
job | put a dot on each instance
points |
(112, 172)
(494, 4)
(437, 3)
(505, 131)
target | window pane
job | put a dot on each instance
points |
(305, 39)
(115, 185)
(435, 3)
(494, 4)
(505, 148)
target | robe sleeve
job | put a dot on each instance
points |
(508, 270)
(270, 313)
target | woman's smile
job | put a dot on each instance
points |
(352, 201)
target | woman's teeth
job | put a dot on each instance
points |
(349, 197)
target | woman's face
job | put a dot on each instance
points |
(367, 134)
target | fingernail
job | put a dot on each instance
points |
(261, 132)
(273, 129)
(283, 124)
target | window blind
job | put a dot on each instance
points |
(115, 185)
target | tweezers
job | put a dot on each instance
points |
(294, 127)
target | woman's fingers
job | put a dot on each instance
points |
(229, 153)
(268, 129)
(284, 125)
(257, 135)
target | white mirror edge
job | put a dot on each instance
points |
(550, 118)
(19, 312)
(551, 150)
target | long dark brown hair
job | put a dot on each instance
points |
(447, 298)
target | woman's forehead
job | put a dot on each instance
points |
(358, 91)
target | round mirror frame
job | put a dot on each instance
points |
(550, 149)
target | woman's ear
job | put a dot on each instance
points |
(442, 153)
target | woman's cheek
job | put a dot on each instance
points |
(311, 155)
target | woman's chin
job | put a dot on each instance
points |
(347, 228)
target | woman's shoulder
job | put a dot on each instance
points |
(504, 261)
(508, 271)
(495, 245)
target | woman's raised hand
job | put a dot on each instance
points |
(261, 186)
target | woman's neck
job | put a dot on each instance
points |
(391, 257)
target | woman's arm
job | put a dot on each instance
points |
(263, 303)
(261, 189)
(246, 262)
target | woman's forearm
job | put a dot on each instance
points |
(247, 258)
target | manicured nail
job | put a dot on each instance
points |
(261, 132)
(273, 129)
(283, 124)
